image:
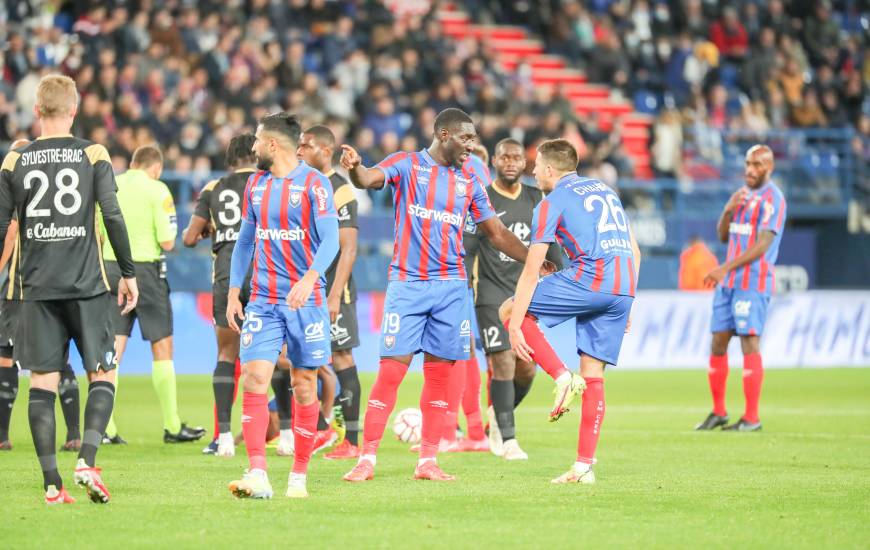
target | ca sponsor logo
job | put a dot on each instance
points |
(741, 307)
(314, 332)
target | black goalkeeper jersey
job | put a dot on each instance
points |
(495, 275)
(54, 186)
(220, 202)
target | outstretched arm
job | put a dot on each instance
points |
(360, 176)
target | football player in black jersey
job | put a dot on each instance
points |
(316, 148)
(54, 185)
(218, 214)
(10, 296)
(496, 276)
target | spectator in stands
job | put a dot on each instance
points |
(821, 32)
(667, 150)
(808, 113)
(729, 35)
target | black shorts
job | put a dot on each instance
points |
(495, 336)
(154, 309)
(8, 326)
(47, 326)
(345, 329)
(219, 291)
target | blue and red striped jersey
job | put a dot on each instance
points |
(285, 211)
(587, 219)
(763, 210)
(431, 202)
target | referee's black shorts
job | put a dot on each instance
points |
(154, 309)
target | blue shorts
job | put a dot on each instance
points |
(430, 316)
(743, 311)
(600, 317)
(268, 327)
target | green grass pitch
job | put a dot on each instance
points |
(803, 482)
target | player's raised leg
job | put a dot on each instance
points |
(568, 386)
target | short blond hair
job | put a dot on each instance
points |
(560, 154)
(146, 156)
(56, 96)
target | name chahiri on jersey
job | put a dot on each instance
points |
(47, 156)
(52, 232)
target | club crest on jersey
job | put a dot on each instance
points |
(389, 341)
(461, 191)
(295, 198)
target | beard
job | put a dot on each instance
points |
(263, 163)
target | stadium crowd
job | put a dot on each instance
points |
(190, 75)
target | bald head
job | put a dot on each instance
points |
(759, 166)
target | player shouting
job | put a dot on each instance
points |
(54, 185)
(426, 306)
(595, 291)
(751, 223)
(290, 230)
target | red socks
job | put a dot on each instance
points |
(304, 430)
(718, 377)
(455, 389)
(382, 400)
(591, 419)
(753, 376)
(544, 355)
(433, 404)
(471, 399)
(255, 420)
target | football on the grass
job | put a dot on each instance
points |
(407, 425)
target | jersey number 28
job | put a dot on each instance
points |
(64, 189)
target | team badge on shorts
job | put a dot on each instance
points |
(295, 198)
(247, 338)
(389, 341)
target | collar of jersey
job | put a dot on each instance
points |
(295, 172)
(504, 193)
(566, 179)
(427, 158)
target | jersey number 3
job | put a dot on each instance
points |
(610, 205)
(230, 213)
(64, 190)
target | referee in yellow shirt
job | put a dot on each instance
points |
(149, 213)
